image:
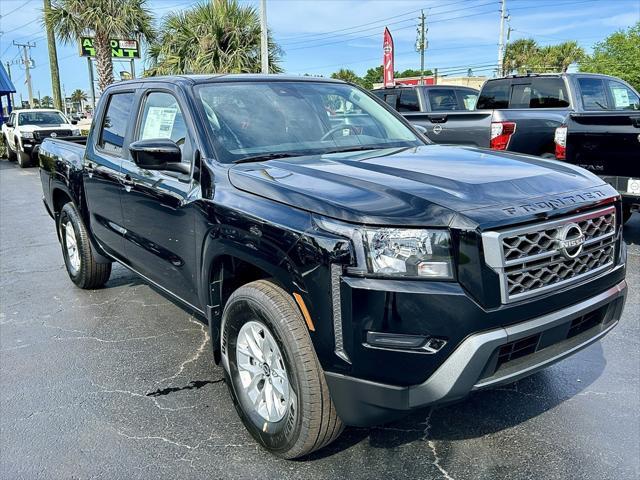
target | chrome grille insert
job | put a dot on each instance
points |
(535, 259)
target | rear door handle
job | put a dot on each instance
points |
(437, 118)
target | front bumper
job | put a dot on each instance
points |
(475, 363)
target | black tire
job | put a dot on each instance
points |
(310, 421)
(11, 154)
(626, 213)
(90, 274)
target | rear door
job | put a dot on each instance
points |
(102, 165)
(450, 120)
(159, 215)
(605, 136)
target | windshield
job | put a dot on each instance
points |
(41, 118)
(254, 119)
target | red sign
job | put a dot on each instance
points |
(387, 59)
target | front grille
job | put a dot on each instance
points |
(533, 259)
(42, 134)
(549, 338)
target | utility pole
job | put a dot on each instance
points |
(64, 100)
(53, 60)
(264, 38)
(421, 43)
(13, 102)
(503, 16)
(27, 66)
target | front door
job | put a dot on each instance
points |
(159, 213)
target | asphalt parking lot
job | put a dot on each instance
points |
(119, 383)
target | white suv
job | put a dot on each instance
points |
(24, 131)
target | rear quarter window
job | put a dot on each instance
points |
(494, 94)
(115, 122)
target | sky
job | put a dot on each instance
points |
(322, 36)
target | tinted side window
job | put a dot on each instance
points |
(623, 97)
(442, 99)
(494, 94)
(378, 93)
(593, 94)
(115, 122)
(408, 101)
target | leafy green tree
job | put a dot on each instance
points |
(348, 76)
(211, 37)
(47, 101)
(617, 55)
(104, 20)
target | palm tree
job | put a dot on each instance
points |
(46, 101)
(564, 54)
(520, 56)
(77, 97)
(212, 37)
(105, 20)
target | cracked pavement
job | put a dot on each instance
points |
(120, 383)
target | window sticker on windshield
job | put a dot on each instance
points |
(159, 122)
(621, 97)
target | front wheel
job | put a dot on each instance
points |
(275, 379)
(24, 159)
(81, 265)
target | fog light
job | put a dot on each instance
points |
(400, 341)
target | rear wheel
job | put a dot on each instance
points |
(274, 376)
(81, 265)
(11, 154)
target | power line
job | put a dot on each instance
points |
(350, 30)
(21, 26)
(376, 34)
(17, 8)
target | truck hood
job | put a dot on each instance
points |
(426, 185)
(56, 126)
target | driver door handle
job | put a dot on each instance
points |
(127, 182)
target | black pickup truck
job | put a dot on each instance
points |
(518, 113)
(348, 270)
(605, 137)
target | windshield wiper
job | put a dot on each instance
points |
(269, 156)
(358, 148)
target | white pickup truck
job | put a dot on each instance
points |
(26, 129)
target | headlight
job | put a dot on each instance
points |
(409, 252)
(28, 135)
(398, 252)
(76, 132)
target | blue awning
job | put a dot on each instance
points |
(6, 85)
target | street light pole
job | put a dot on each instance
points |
(264, 38)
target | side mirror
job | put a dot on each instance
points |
(9, 124)
(419, 128)
(158, 154)
(74, 122)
